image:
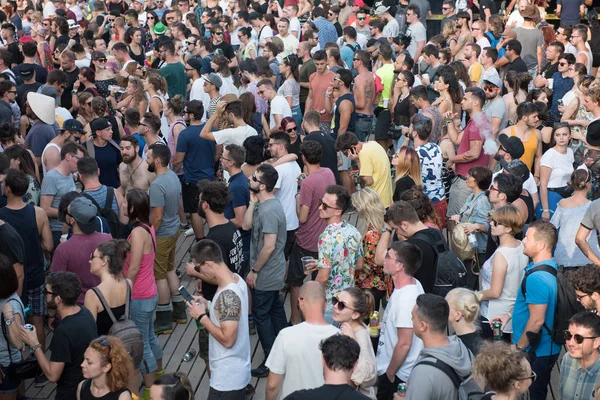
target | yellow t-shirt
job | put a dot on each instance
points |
(386, 73)
(475, 71)
(374, 162)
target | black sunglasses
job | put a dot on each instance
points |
(578, 338)
(340, 304)
(47, 292)
(255, 179)
(326, 206)
(290, 130)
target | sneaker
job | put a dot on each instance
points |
(40, 380)
(252, 326)
(250, 390)
(261, 372)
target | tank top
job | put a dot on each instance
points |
(530, 147)
(103, 321)
(100, 196)
(139, 58)
(25, 223)
(86, 392)
(144, 286)
(436, 129)
(44, 152)
(336, 115)
(589, 59)
(171, 141)
(530, 209)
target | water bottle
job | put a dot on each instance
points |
(472, 240)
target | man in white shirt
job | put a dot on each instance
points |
(398, 346)
(280, 108)
(295, 360)
(193, 70)
(262, 28)
(234, 115)
(291, 12)
(478, 30)
(416, 31)
(290, 42)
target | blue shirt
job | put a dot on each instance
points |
(541, 289)
(199, 160)
(569, 14)
(141, 141)
(240, 196)
(560, 87)
(327, 32)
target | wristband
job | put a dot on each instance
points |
(34, 348)
(546, 211)
(201, 316)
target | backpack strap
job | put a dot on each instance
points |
(543, 267)
(127, 300)
(438, 246)
(115, 145)
(104, 304)
(90, 148)
(87, 196)
(110, 195)
(445, 368)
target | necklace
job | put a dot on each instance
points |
(135, 169)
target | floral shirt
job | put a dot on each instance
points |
(340, 246)
(431, 160)
(371, 276)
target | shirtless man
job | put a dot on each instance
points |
(364, 94)
(133, 171)
(462, 23)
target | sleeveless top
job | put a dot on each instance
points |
(171, 141)
(139, 58)
(336, 115)
(44, 152)
(86, 392)
(100, 196)
(530, 209)
(103, 321)
(144, 287)
(530, 147)
(401, 113)
(25, 223)
(589, 59)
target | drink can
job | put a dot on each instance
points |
(497, 326)
(28, 327)
(374, 324)
(402, 389)
(189, 355)
(356, 181)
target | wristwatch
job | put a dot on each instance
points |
(34, 348)
(254, 270)
(384, 230)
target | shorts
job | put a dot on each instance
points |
(202, 342)
(382, 125)
(190, 193)
(214, 394)
(8, 384)
(295, 275)
(37, 300)
(164, 261)
(289, 242)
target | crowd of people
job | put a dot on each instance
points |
(471, 158)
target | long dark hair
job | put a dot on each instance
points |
(26, 164)
(138, 206)
(248, 105)
(291, 61)
(116, 251)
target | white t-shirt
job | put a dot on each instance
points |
(290, 45)
(295, 25)
(49, 10)
(561, 164)
(262, 34)
(279, 106)
(391, 29)
(234, 135)
(398, 315)
(515, 16)
(528, 185)
(417, 33)
(230, 367)
(483, 43)
(296, 355)
(197, 93)
(287, 188)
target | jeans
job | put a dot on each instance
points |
(269, 316)
(542, 366)
(142, 313)
(364, 126)
(297, 115)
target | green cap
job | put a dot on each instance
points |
(160, 29)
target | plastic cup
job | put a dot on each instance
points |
(386, 103)
(306, 262)
(550, 83)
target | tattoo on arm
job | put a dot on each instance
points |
(228, 306)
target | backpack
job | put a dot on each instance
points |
(401, 19)
(468, 389)
(118, 230)
(566, 301)
(125, 329)
(450, 272)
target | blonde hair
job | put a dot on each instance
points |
(510, 217)
(449, 29)
(370, 209)
(409, 165)
(466, 301)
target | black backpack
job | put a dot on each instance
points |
(118, 230)
(566, 301)
(450, 272)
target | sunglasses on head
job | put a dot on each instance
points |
(341, 305)
(577, 337)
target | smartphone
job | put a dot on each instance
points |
(186, 295)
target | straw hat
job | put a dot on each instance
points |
(42, 106)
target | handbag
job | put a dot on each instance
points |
(459, 241)
(24, 369)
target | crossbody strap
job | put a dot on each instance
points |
(105, 304)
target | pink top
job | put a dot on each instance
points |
(144, 286)
(475, 130)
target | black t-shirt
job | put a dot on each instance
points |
(329, 159)
(17, 56)
(229, 239)
(120, 6)
(593, 133)
(426, 273)
(472, 341)
(487, 4)
(402, 185)
(41, 74)
(108, 159)
(327, 392)
(226, 49)
(549, 70)
(12, 244)
(71, 338)
(61, 39)
(518, 65)
(66, 100)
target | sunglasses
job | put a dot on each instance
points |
(101, 60)
(326, 206)
(445, 8)
(290, 130)
(47, 292)
(341, 305)
(255, 179)
(152, 18)
(577, 337)
(361, 19)
(218, 33)
(488, 88)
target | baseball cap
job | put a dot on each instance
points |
(196, 64)
(359, 3)
(518, 169)
(27, 71)
(512, 145)
(72, 125)
(84, 212)
(381, 10)
(215, 80)
(100, 124)
(494, 80)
